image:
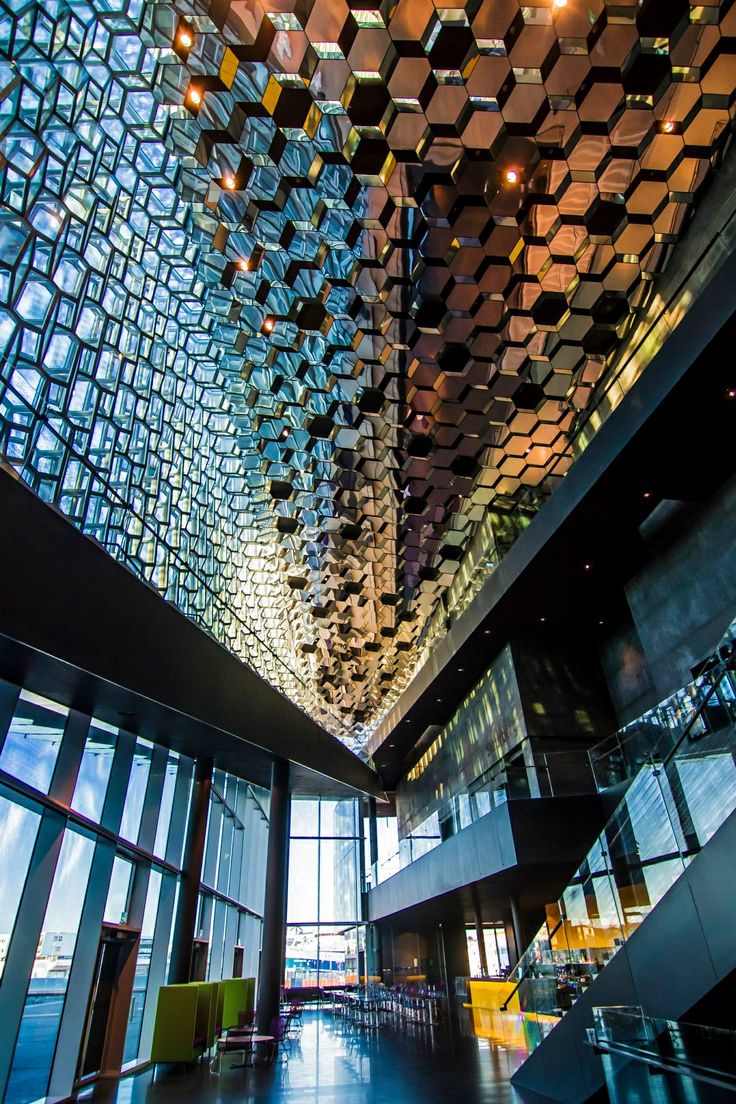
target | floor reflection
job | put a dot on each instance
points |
(333, 1061)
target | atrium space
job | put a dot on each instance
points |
(367, 551)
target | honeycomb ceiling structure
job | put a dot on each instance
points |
(303, 300)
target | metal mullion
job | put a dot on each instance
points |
(159, 951)
(9, 694)
(36, 799)
(81, 975)
(117, 786)
(27, 932)
(230, 900)
(152, 798)
(179, 810)
(69, 759)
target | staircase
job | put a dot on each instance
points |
(646, 920)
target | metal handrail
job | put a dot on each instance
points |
(718, 667)
(504, 1007)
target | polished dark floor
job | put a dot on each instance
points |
(333, 1062)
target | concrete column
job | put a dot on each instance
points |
(271, 971)
(372, 832)
(186, 908)
(478, 918)
(9, 695)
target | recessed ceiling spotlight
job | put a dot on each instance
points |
(194, 96)
(668, 126)
(732, 393)
(243, 265)
(461, 669)
(559, 3)
(587, 567)
(486, 632)
(268, 324)
(284, 433)
(542, 618)
(185, 38)
(229, 182)
(439, 699)
(512, 176)
(647, 494)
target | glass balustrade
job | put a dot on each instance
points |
(690, 720)
(671, 810)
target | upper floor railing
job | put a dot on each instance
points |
(675, 804)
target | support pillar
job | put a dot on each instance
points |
(271, 972)
(373, 840)
(516, 927)
(191, 875)
(478, 918)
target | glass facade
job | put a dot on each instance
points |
(325, 940)
(92, 824)
(233, 878)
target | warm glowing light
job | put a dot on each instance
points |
(512, 176)
(185, 39)
(668, 126)
(244, 266)
(268, 324)
(229, 182)
(194, 96)
(559, 3)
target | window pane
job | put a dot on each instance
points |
(116, 907)
(338, 956)
(94, 771)
(304, 817)
(136, 791)
(338, 881)
(303, 896)
(142, 968)
(302, 956)
(39, 1027)
(167, 802)
(338, 818)
(33, 741)
(18, 830)
(226, 845)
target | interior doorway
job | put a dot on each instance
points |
(200, 954)
(107, 1015)
(238, 957)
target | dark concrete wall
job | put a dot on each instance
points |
(534, 832)
(680, 602)
(553, 695)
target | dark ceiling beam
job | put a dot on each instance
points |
(76, 624)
